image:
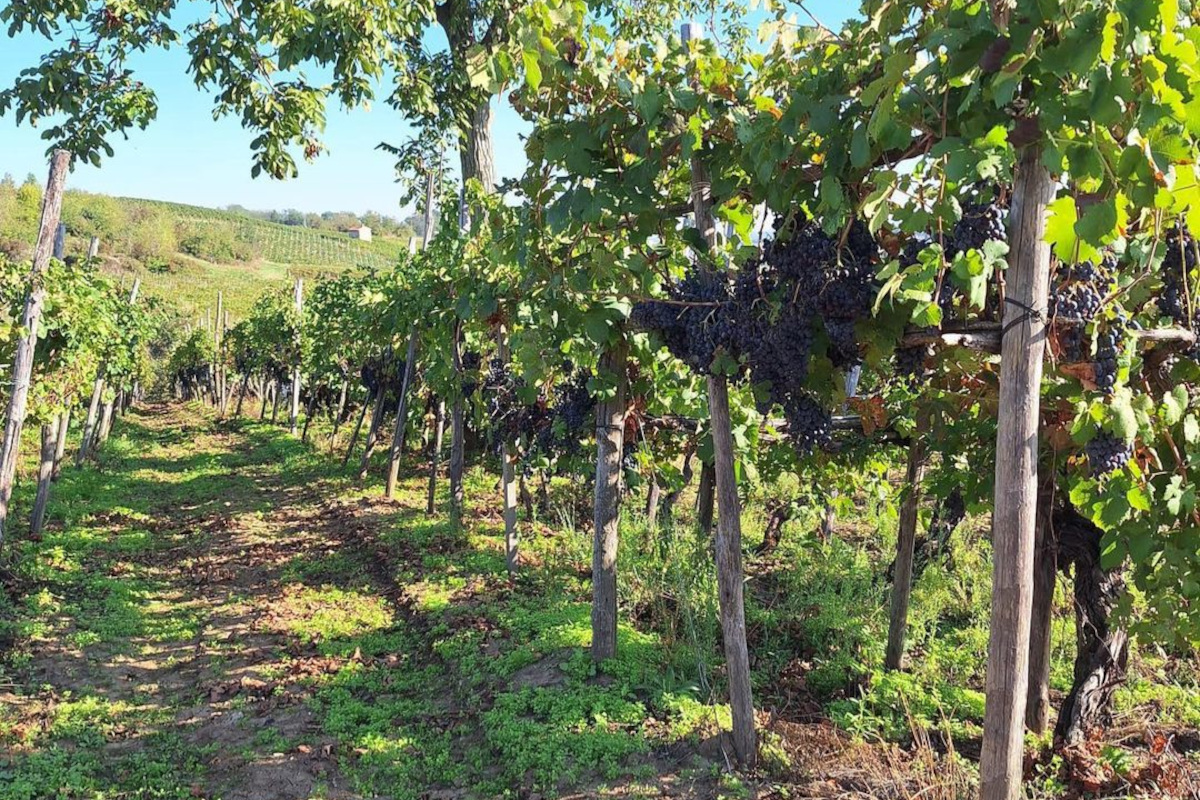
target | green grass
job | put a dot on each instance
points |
(420, 667)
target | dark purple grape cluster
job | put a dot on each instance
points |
(1106, 454)
(568, 420)
(810, 426)
(979, 224)
(1108, 349)
(697, 322)
(470, 362)
(1080, 296)
(911, 364)
(1178, 268)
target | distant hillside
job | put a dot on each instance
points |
(185, 254)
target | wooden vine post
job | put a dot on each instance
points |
(906, 538)
(45, 477)
(457, 431)
(295, 408)
(22, 373)
(508, 480)
(218, 368)
(1045, 570)
(89, 422)
(410, 356)
(60, 441)
(1027, 282)
(610, 439)
(435, 454)
(729, 511)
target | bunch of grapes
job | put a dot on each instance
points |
(1106, 454)
(1178, 265)
(979, 224)
(471, 361)
(698, 322)
(910, 364)
(810, 426)
(560, 429)
(1108, 348)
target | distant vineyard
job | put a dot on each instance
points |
(271, 241)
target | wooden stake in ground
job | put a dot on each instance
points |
(705, 498)
(1014, 516)
(905, 543)
(295, 410)
(435, 454)
(22, 372)
(45, 477)
(372, 432)
(457, 431)
(729, 510)
(217, 367)
(60, 439)
(1045, 570)
(508, 484)
(410, 356)
(610, 440)
(362, 414)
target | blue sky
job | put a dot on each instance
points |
(185, 156)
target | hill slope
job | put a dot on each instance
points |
(186, 254)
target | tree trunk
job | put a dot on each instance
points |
(669, 502)
(106, 420)
(368, 401)
(905, 542)
(308, 417)
(276, 390)
(476, 155)
(704, 500)
(653, 496)
(22, 372)
(237, 412)
(1045, 569)
(60, 441)
(778, 515)
(401, 416)
(265, 396)
(610, 436)
(1015, 504)
(364, 463)
(1102, 650)
(730, 577)
(341, 409)
(45, 477)
(435, 455)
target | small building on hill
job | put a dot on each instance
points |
(362, 233)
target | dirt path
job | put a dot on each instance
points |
(183, 629)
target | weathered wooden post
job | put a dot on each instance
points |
(94, 247)
(1045, 570)
(906, 538)
(368, 401)
(45, 476)
(729, 511)
(1014, 514)
(435, 454)
(295, 410)
(60, 241)
(457, 432)
(60, 439)
(606, 509)
(410, 356)
(22, 373)
(508, 481)
(218, 370)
